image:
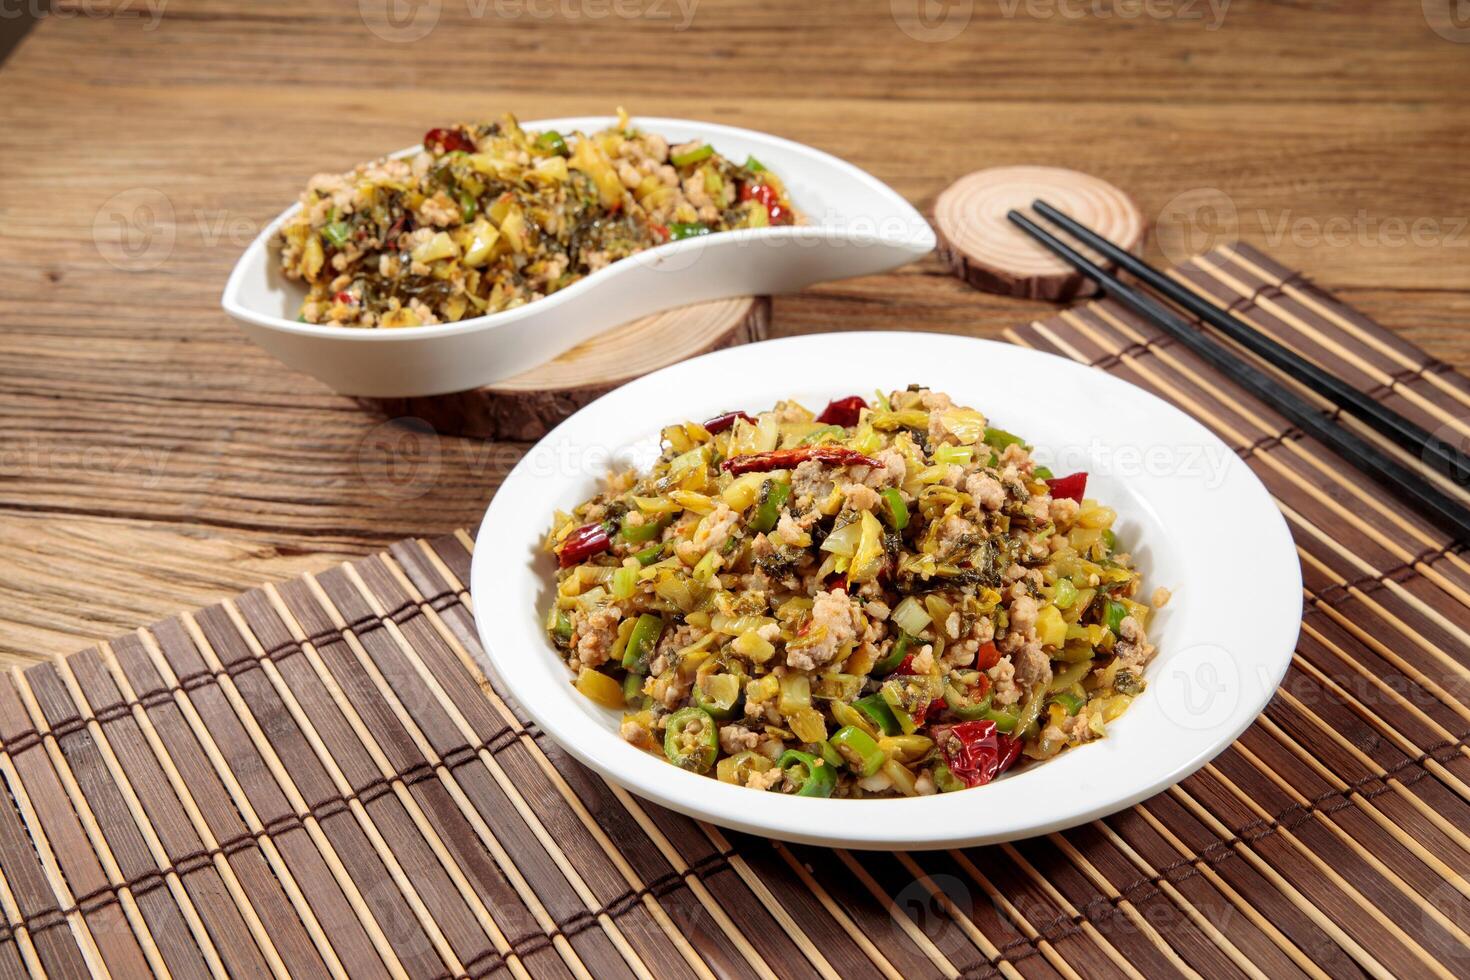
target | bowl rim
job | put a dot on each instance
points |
(922, 240)
(1267, 639)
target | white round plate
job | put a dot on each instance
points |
(855, 226)
(1198, 521)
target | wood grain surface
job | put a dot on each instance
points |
(152, 460)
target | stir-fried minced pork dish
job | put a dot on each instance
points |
(880, 600)
(490, 216)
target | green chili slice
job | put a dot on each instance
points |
(811, 776)
(691, 740)
(947, 781)
(687, 229)
(641, 642)
(1000, 439)
(1071, 702)
(895, 656)
(815, 436)
(963, 708)
(1066, 593)
(563, 629)
(754, 165)
(898, 511)
(773, 497)
(336, 233)
(639, 533)
(552, 140)
(649, 555)
(633, 695)
(692, 156)
(466, 205)
(1042, 473)
(858, 750)
(877, 711)
(1110, 540)
(1113, 616)
(718, 694)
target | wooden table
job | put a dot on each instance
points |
(153, 460)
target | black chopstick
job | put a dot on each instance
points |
(1393, 426)
(1446, 512)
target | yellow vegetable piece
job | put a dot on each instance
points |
(600, 688)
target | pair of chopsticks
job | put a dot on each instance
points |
(1448, 513)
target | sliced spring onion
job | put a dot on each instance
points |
(683, 159)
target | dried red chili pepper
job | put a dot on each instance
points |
(766, 194)
(583, 543)
(1068, 487)
(975, 752)
(785, 459)
(449, 139)
(722, 422)
(843, 411)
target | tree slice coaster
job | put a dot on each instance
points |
(981, 247)
(529, 405)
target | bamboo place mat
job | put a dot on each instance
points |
(316, 779)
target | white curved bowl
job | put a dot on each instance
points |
(1199, 520)
(857, 226)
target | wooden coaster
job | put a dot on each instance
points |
(529, 405)
(980, 246)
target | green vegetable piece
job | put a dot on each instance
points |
(897, 510)
(965, 709)
(811, 776)
(947, 781)
(751, 163)
(1066, 594)
(649, 555)
(633, 694)
(639, 533)
(1113, 616)
(692, 156)
(1071, 702)
(858, 750)
(1110, 540)
(337, 233)
(831, 756)
(1000, 439)
(895, 656)
(687, 229)
(877, 711)
(563, 629)
(552, 140)
(773, 497)
(718, 694)
(1042, 473)
(815, 436)
(641, 642)
(691, 740)
(466, 205)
